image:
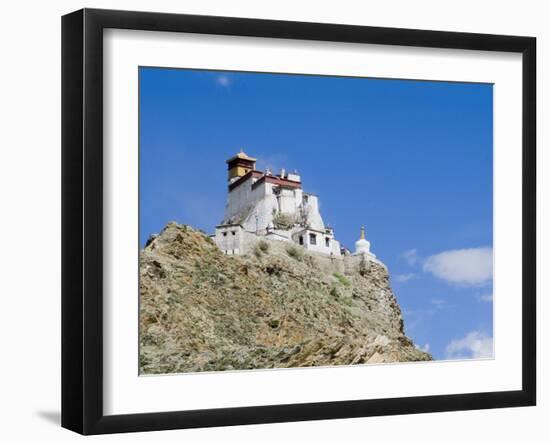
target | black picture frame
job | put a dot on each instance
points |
(82, 216)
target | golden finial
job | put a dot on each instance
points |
(362, 237)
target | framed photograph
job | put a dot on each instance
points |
(269, 221)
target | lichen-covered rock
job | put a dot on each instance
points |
(201, 310)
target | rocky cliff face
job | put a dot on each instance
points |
(277, 307)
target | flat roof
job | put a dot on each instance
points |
(228, 225)
(312, 230)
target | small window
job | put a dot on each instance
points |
(305, 198)
(232, 232)
(225, 234)
(301, 239)
(312, 239)
(327, 242)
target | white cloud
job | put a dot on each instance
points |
(273, 162)
(486, 298)
(462, 266)
(417, 317)
(474, 345)
(410, 256)
(402, 278)
(223, 80)
(438, 302)
(425, 348)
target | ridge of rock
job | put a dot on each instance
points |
(277, 307)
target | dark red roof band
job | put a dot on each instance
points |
(278, 181)
(262, 177)
(244, 178)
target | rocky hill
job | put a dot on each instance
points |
(276, 307)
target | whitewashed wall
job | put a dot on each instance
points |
(230, 239)
(313, 215)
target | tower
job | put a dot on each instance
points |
(362, 246)
(239, 165)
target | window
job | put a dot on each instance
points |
(225, 234)
(301, 239)
(312, 239)
(327, 242)
(305, 198)
(232, 232)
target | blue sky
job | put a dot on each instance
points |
(410, 160)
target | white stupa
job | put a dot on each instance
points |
(362, 246)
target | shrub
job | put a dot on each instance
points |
(347, 301)
(257, 251)
(260, 248)
(343, 280)
(263, 246)
(283, 221)
(295, 252)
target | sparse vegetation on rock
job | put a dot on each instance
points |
(263, 245)
(201, 310)
(295, 252)
(343, 280)
(283, 221)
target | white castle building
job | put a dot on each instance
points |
(274, 206)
